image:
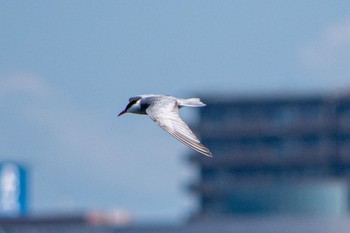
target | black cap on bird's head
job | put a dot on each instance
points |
(130, 104)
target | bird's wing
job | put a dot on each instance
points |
(165, 113)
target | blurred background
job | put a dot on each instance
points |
(274, 74)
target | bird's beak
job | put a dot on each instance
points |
(121, 113)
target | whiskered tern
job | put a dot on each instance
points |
(164, 111)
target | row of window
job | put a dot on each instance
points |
(281, 115)
(226, 177)
(281, 145)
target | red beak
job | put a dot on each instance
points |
(122, 112)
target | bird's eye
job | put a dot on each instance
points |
(131, 104)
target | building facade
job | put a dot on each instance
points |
(13, 190)
(274, 155)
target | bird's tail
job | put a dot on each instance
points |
(192, 102)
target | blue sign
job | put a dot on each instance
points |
(12, 189)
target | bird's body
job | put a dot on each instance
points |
(163, 110)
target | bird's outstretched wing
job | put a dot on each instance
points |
(165, 113)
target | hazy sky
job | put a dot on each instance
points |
(67, 68)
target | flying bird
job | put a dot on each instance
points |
(164, 111)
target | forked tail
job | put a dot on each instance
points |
(191, 102)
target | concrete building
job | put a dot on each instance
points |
(13, 189)
(274, 155)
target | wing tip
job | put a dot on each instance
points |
(207, 153)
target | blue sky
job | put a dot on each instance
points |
(67, 69)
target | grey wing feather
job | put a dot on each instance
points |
(165, 114)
